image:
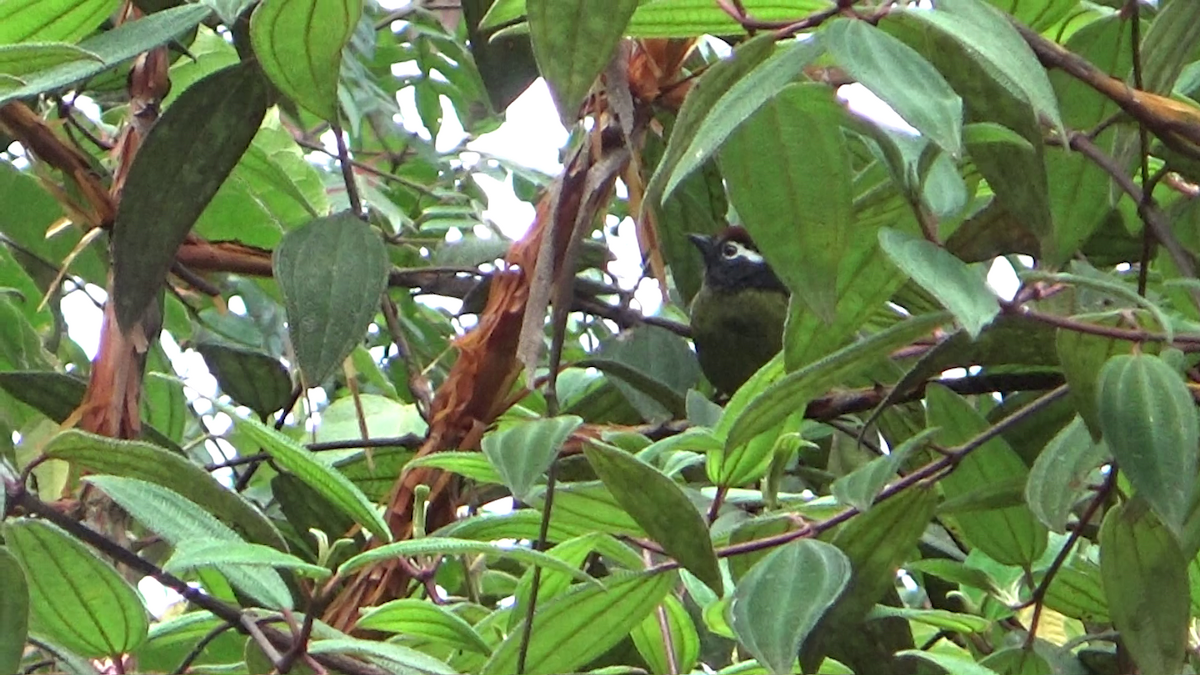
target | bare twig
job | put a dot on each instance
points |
(540, 545)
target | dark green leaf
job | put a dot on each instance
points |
(660, 507)
(332, 272)
(1149, 422)
(1145, 582)
(211, 124)
(1011, 535)
(860, 487)
(253, 379)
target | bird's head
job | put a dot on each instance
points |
(732, 262)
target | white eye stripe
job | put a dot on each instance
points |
(732, 249)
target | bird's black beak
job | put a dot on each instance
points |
(702, 242)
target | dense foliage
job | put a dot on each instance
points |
(929, 477)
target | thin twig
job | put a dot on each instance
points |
(418, 384)
(199, 647)
(406, 182)
(540, 545)
(409, 441)
(935, 470)
(347, 172)
(1039, 593)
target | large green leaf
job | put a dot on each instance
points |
(449, 546)
(691, 145)
(51, 20)
(778, 603)
(573, 40)
(423, 619)
(900, 76)
(689, 18)
(579, 626)
(789, 177)
(211, 124)
(179, 521)
(1010, 535)
(199, 553)
(961, 290)
(679, 635)
(660, 507)
(329, 305)
(112, 46)
(299, 44)
(305, 466)
(795, 390)
(522, 453)
(14, 612)
(134, 459)
(1149, 422)
(1145, 581)
(76, 599)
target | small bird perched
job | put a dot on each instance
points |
(738, 315)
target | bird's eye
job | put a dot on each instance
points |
(729, 250)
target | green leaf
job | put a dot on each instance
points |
(576, 627)
(573, 40)
(899, 76)
(779, 601)
(1145, 581)
(692, 144)
(331, 484)
(1149, 422)
(1011, 535)
(652, 367)
(789, 177)
(76, 599)
(299, 44)
(994, 45)
(330, 302)
(253, 379)
(469, 464)
(876, 543)
(1058, 478)
(14, 612)
(681, 638)
(522, 453)
(212, 124)
(711, 87)
(423, 619)
(223, 554)
(937, 618)
(134, 459)
(1082, 356)
(179, 521)
(961, 290)
(1077, 591)
(953, 664)
(689, 18)
(860, 487)
(397, 658)
(51, 20)
(20, 60)
(795, 390)
(113, 46)
(448, 546)
(660, 507)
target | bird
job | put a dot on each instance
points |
(737, 316)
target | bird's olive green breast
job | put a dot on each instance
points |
(736, 333)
